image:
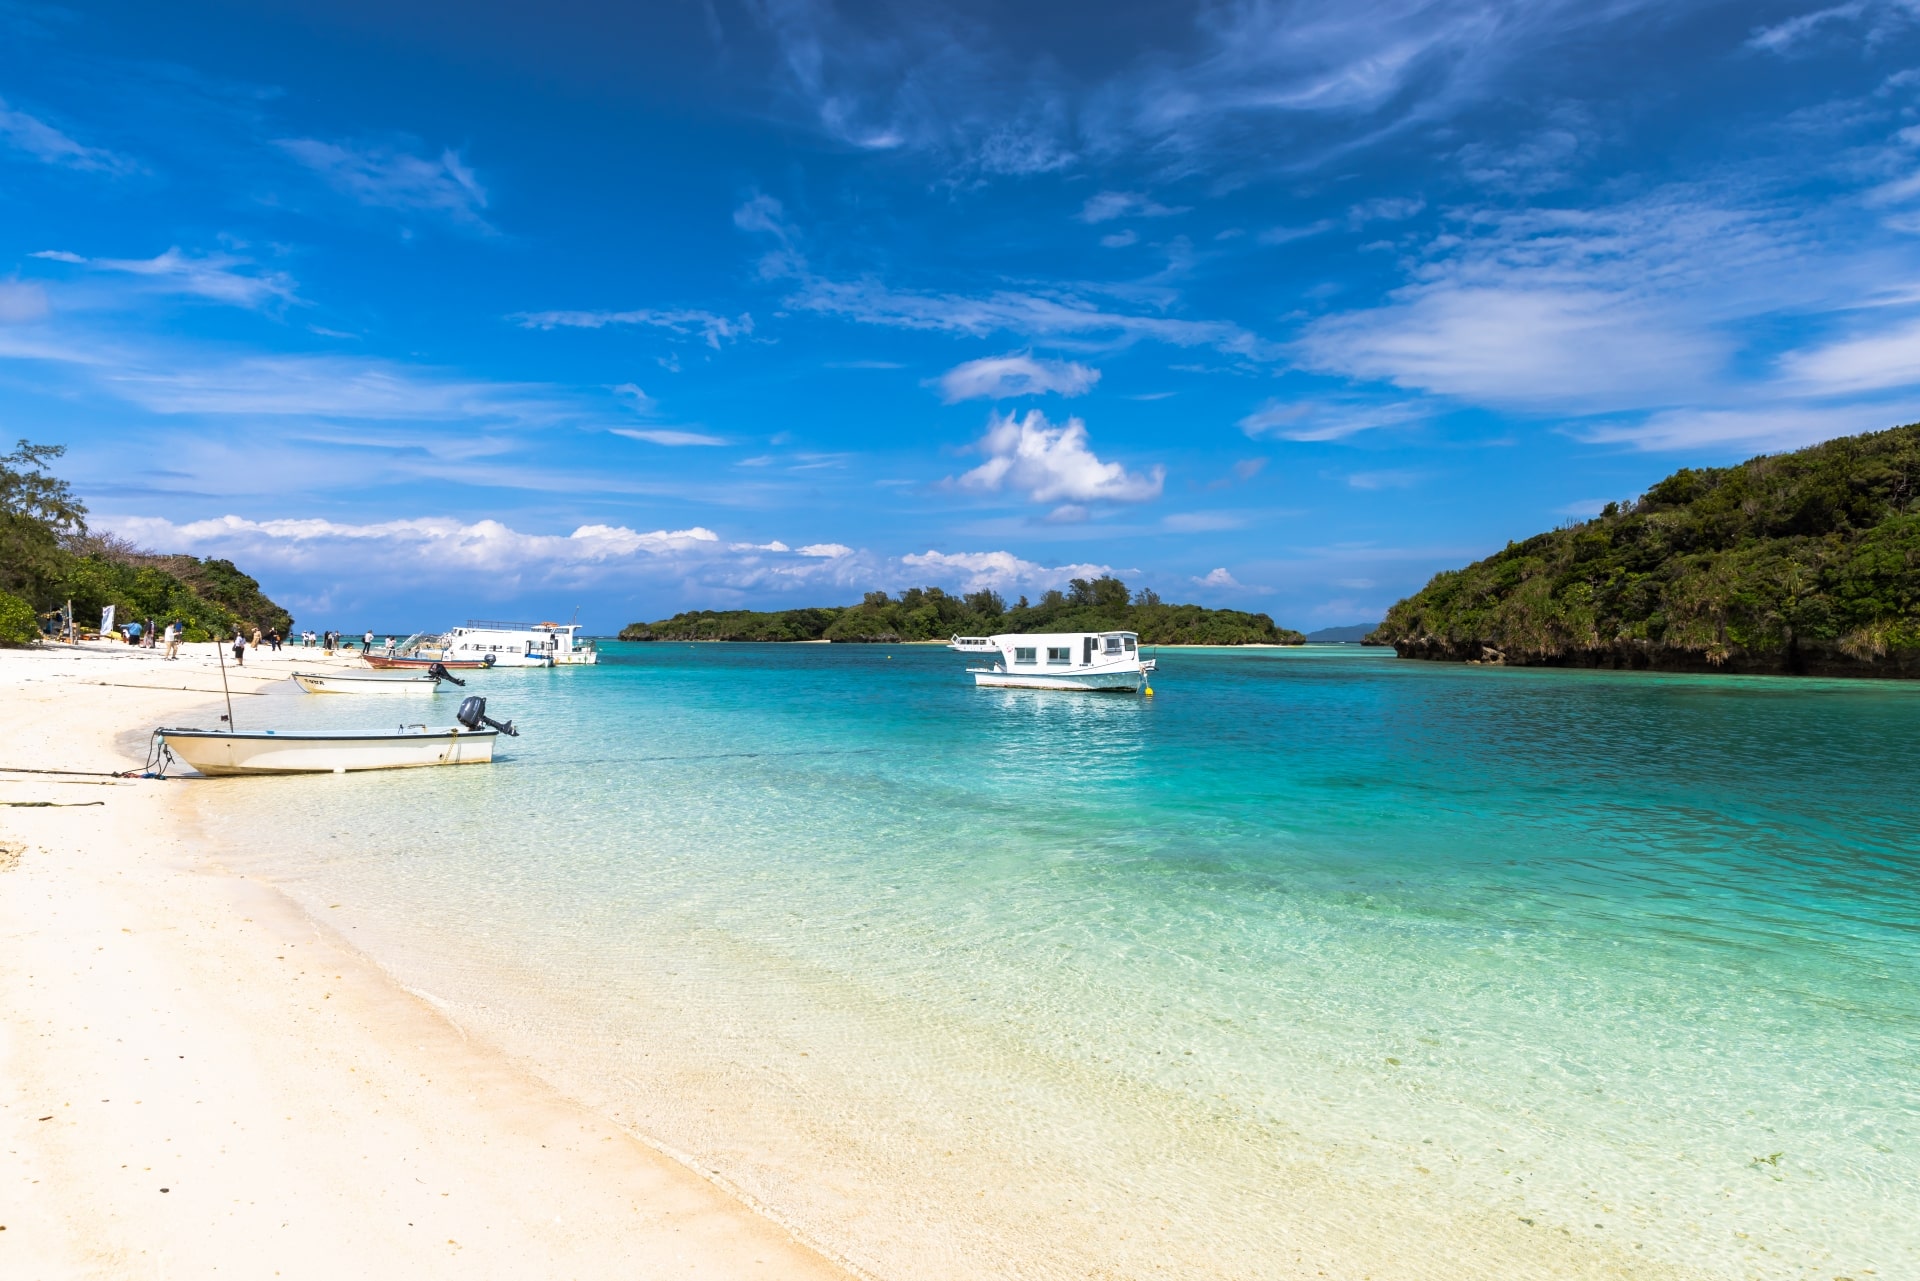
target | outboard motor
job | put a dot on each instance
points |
(473, 714)
(439, 672)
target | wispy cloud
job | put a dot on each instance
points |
(220, 277)
(669, 438)
(687, 322)
(21, 302)
(1016, 374)
(1874, 361)
(1108, 205)
(1058, 315)
(392, 177)
(1322, 418)
(1055, 464)
(35, 137)
(333, 387)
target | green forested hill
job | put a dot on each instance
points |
(1100, 604)
(48, 558)
(1807, 562)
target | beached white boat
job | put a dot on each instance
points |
(268, 751)
(366, 683)
(1105, 661)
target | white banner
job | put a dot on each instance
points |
(106, 621)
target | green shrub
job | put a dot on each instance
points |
(18, 625)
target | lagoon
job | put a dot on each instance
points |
(1317, 960)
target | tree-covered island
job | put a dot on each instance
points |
(1806, 562)
(928, 613)
(49, 558)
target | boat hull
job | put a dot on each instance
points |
(223, 752)
(1118, 682)
(317, 683)
(383, 662)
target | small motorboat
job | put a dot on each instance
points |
(217, 752)
(424, 682)
(414, 662)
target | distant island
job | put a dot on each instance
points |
(928, 613)
(48, 558)
(1355, 634)
(1799, 563)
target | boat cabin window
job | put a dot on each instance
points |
(1063, 654)
(1129, 644)
(1113, 644)
(1086, 646)
(1023, 654)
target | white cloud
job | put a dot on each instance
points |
(1771, 428)
(1108, 205)
(1054, 463)
(687, 322)
(440, 542)
(1522, 347)
(671, 439)
(21, 302)
(47, 144)
(1016, 374)
(388, 177)
(1217, 578)
(826, 551)
(205, 275)
(977, 571)
(1120, 239)
(1870, 362)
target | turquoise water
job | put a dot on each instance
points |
(1317, 960)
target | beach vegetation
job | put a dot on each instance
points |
(18, 626)
(931, 613)
(49, 558)
(1804, 562)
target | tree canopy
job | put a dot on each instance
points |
(1800, 562)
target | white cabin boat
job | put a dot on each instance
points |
(225, 751)
(366, 683)
(1108, 661)
(519, 644)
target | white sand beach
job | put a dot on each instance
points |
(199, 1079)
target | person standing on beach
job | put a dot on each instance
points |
(367, 648)
(239, 648)
(173, 640)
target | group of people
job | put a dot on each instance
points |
(241, 644)
(146, 636)
(330, 641)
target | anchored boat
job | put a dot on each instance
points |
(217, 752)
(424, 682)
(1104, 661)
(520, 644)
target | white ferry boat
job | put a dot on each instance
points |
(1059, 660)
(498, 645)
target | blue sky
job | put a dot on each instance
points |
(431, 309)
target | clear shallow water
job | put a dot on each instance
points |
(1318, 959)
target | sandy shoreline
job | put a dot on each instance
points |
(197, 1078)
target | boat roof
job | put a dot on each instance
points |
(1054, 636)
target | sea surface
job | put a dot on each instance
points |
(1316, 962)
